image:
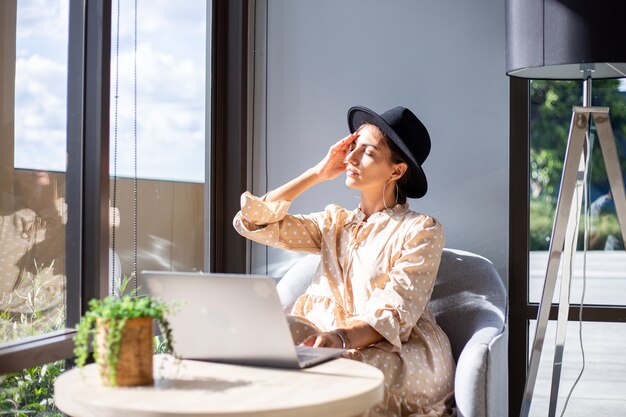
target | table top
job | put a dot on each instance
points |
(341, 387)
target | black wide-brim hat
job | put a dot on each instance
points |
(407, 132)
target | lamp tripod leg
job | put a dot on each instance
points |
(613, 169)
(571, 239)
(578, 129)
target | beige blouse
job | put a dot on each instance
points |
(381, 270)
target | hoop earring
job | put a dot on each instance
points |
(384, 189)
(397, 192)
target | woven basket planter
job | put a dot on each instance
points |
(134, 366)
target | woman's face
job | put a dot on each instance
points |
(369, 162)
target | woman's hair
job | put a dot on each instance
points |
(396, 158)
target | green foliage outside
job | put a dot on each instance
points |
(542, 217)
(28, 311)
(30, 392)
(550, 114)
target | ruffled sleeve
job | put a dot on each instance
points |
(268, 222)
(394, 308)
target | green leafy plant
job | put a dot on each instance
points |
(30, 392)
(114, 312)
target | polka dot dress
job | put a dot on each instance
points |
(380, 271)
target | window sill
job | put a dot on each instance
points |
(37, 350)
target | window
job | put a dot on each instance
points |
(164, 117)
(540, 118)
(600, 390)
(551, 104)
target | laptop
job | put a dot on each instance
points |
(231, 318)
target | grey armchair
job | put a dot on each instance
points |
(469, 302)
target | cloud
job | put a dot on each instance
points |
(40, 113)
(42, 23)
(171, 93)
(171, 87)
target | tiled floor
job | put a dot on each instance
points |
(602, 388)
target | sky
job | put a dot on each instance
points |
(171, 50)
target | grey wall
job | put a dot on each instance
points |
(443, 59)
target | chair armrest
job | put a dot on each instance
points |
(481, 380)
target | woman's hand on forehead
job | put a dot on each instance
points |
(343, 146)
(350, 138)
(335, 161)
(356, 134)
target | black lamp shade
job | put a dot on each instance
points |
(549, 39)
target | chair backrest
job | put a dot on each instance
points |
(296, 280)
(468, 296)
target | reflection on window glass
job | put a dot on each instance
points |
(33, 212)
(168, 127)
(551, 112)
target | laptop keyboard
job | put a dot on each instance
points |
(306, 357)
(306, 353)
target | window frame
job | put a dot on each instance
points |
(230, 115)
(519, 216)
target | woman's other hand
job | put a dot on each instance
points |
(334, 163)
(359, 334)
(325, 339)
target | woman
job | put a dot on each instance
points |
(378, 262)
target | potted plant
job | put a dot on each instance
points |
(122, 341)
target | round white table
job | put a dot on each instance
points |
(339, 388)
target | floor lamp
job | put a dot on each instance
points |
(568, 40)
